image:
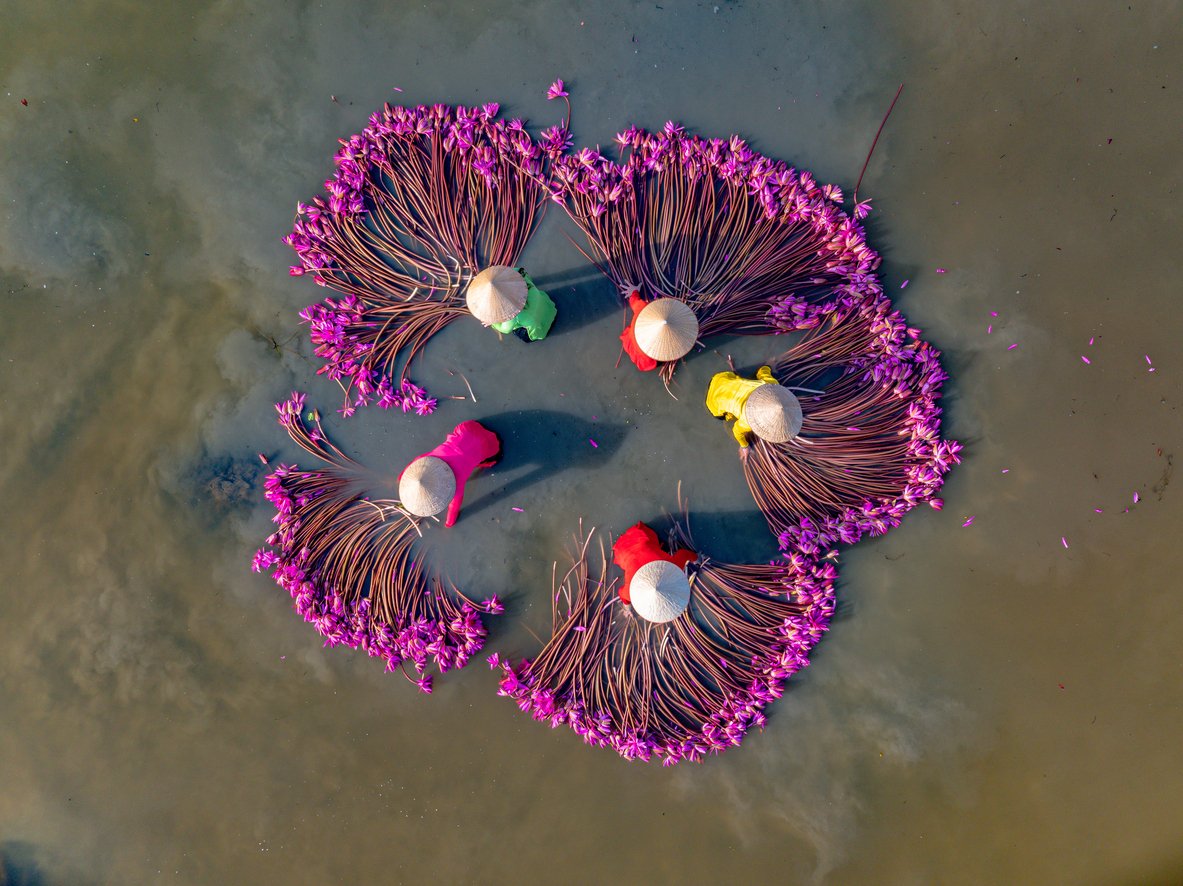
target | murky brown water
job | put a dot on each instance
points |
(989, 707)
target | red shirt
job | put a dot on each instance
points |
(643, 361)
(638, 546)
(470, 446)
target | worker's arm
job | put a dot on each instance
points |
(454, 507)
(740, 431)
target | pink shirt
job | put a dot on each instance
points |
(470, 446)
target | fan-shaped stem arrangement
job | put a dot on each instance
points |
(420, 201)
(681, 689)
(715, 224)
(870, 448)
(349, 563)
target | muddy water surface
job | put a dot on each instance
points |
(990, 706)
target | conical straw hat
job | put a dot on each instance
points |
(496, 294)
(659, 591)
(773, 413)
(427, 485)
(666, 329)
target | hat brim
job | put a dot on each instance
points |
(427, 486)
(496, 294)
(666, 329)
(659, 591)
(773, 413)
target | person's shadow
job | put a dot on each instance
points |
(581, 295)
(549, 442)
(727, 536)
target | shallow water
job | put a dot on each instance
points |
(990, 706)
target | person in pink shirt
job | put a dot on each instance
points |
(425, 484)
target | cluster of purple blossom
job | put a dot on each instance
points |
(844, 284)
(859, 291)
(487, 145)
(701, 727)
(449, 643)
(333, 326)
(366, 161)
(932, 458)
(781, 191)
(834, 275)
(398, 277)
(754, 236)
(896, 358)
(439, 631)
(592, 183)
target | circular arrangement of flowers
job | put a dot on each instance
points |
(663, 652)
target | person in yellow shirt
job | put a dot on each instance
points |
(760, 406)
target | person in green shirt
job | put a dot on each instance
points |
(507, 300)
(532, 322)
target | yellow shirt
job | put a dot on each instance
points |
(728, 393)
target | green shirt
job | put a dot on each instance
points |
(536, 317)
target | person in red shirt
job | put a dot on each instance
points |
(637, 546)
(469, 447)
(643, 361)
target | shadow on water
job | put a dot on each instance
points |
(548, 442)
(583, 275)
(18, 867)
(739, 537)
(734, 536)
(746, 350)
(581, 295)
